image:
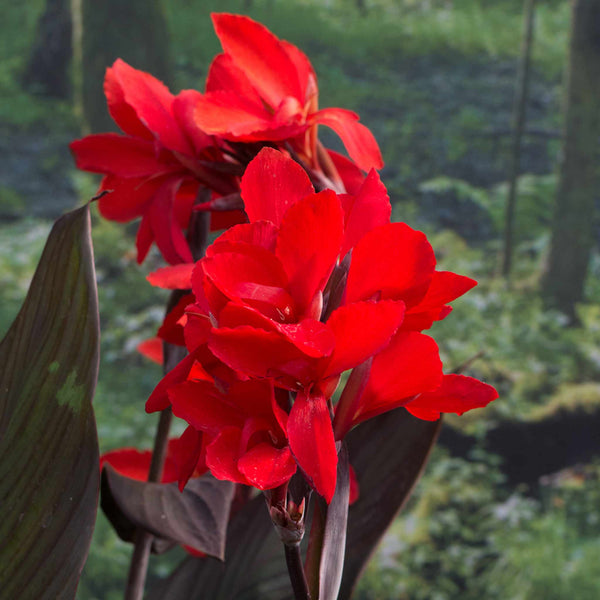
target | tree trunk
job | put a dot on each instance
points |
(47, 70)
(134, 30)
(518, 126)
(578, 183)
(362, 7)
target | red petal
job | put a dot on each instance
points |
(250, 274)
(218, 372)
(152, 349)
(171, 330)
(260, 353)
(409, 365)
(361, 330)
(357, 139)
(445, 287)
(159, 399)
(223, 75)
(267, 467)
(306, 74)
(226, 114)
(184, 201)
(311, 336)
(259, 233)
(144, 238)
(200, 404)
(199, 373)
(271, 184)
(351, 175)
(167, 232)
(354, 487)
(457, 394)
(196, 330)
(280, 397)
(222, 456)
(311, 440)
(184, 107)
(153, 105)
(309, 243)
(123, 114)
(254, 399)
(135, 463)
(176, 277)
(257, 52)
(115, 154)
(129, 462)
(127, 198)
(368, 209)
(185, 454)
(393, 259)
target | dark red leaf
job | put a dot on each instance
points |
(254, 565)
(388, 454)
(196, 517)
(48, 442)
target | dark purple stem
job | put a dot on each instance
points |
(315, 546)
(197, 238)
(293, 560)
(143, 540)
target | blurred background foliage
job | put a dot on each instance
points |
(509, 507)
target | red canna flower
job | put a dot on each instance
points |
(245, 429)
(156, 168)
(264, 89)
(241, 421)
(316, 284)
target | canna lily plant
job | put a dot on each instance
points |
(292, 345)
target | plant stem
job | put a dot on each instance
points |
(315, 546)
(143, 540)
(293, 560)
(139, 565)
(197, 237)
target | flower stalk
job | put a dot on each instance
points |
(293, 560)
(138, 566)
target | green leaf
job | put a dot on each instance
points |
(388, 454)
(196, 517)
(48, 444)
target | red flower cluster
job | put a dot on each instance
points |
(312, 282)
(264, 89)
(156, 168)
(261, 91)
(314, 285)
